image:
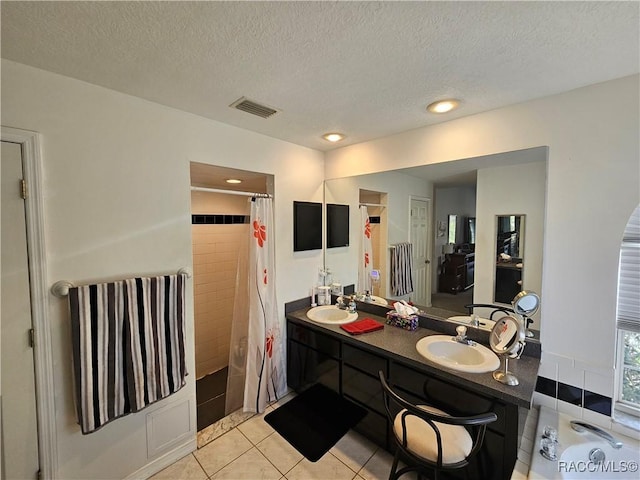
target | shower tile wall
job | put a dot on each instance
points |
(215, 257)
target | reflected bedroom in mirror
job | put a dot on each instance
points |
(457, 263)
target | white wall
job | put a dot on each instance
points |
(593, 173)
(512, 190)
(116, 189)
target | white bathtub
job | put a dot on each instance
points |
(573, 453)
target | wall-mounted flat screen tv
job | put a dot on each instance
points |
(337, 225)
(307, 226)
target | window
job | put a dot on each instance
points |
(453, 222)
(628, 319)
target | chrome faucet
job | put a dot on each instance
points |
(462, 336)
(582, 427)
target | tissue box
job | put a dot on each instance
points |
(407, 323)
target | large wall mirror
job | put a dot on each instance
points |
(413, 205)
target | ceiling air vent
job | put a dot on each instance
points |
(253, 108)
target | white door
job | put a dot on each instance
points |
(421, 261)
(19, 422)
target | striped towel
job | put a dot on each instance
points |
(402, 269)
(128, 346)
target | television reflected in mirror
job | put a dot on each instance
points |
(337, 225)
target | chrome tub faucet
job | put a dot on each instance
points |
(587, 427)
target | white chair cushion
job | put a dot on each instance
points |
(421, 438)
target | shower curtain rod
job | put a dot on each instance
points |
(372, 205)
(230, 192)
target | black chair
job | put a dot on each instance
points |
(428, 439)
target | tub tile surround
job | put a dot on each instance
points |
(527, 442)
(580, 390)
(575, 388)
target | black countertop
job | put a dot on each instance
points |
(400, 345)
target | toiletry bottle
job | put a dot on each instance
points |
(352, 304)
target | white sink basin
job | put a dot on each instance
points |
(331, 314)
(485, 323)
(374, 299)
(445, 351)
(377, 301)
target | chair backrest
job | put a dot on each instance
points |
(476, 424)
(496, 309)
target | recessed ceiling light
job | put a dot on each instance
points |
(333, 137)
(233, 180)
(443, 106)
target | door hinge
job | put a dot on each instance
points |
(32, 338)
(23, 188)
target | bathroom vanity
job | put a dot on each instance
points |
(349, 365)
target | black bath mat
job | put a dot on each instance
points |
(315, 420)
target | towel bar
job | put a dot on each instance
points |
(61, 288)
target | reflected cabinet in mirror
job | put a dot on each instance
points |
(509, 257)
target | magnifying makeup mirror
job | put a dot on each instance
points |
(526, 304)
(507, 339)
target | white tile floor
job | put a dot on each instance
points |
(253, 450)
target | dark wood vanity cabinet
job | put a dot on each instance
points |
(352, 369)
(312, 357)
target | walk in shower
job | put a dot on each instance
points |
(220, 228)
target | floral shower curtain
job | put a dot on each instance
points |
(265, 374)
(366, 252)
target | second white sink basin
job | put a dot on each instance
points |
(377, 300)
(331, 314)
(485, 323)
(374, 299)
(445, 351)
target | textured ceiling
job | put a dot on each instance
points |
(367, 69)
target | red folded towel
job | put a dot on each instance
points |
(362, 326)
